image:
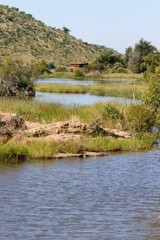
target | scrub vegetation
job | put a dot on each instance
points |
(28, 39)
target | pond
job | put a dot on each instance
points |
(113, 197)
(67, 99)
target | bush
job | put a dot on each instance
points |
(121, 70)
(112, 112)
(40, 68)
(140, 118)
(61, 69)
(51, 65)
(78, 73)
(16, 79)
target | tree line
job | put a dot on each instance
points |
(135, 59)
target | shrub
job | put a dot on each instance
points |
(61, 69)
(15, 78)
(122, 70)
(40, 68)
(78, 73)
(112, 112)
(140, 118)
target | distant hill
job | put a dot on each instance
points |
(26, 38)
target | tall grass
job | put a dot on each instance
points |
(101, 90)
(99, 144)
(48, 149)
(105, 144)
(42, 112)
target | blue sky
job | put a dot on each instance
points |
(113, 23)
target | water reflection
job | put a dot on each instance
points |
(112, 197)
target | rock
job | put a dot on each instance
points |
(17, 138)
(74, 128)
(12, 120)
(10, 124)
(117, 133)
(95, 154)
(4, 139)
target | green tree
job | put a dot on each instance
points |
(146, 115)
(40, 68)
(135, 62)
(144, 48)
(141, 49)
(66, 30)
(15, 78)
(151, 62)
(108, 59)
(152, 96)
(127, 55)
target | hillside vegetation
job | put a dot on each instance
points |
(28, 39)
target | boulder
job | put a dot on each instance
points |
(10, 124)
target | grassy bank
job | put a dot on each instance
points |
(48, 113)
(101, 90)
(47, 149)
(71, 75)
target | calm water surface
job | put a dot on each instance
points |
(116, 197)
(64, 81)
(111, 81)
(76, 99)
(79, 99)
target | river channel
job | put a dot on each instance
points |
(116, 197)
(72, 100)
(79, 99)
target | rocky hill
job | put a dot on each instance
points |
(26, 38)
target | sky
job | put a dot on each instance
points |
(117, 24)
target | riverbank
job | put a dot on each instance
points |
(96, 89)
(22, 139)
(55, 112)
(94, 76)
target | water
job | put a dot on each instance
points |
(111, 81)
(77, 99)
(116, 197)
(64, 81)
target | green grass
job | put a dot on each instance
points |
(71, 75)
(47, 149)
(13, 152)
(57, 88)
(105, 145)
(42, 112)
(101, 90)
